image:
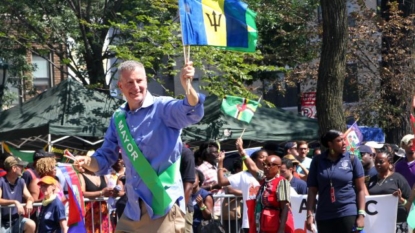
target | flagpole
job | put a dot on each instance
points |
(243, 131)
(348, 130)
(186, 56)
(188, 80)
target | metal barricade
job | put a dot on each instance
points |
(92, 219)
(231, 222)
(231, 225)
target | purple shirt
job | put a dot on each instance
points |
(156, 129)
(406, 170)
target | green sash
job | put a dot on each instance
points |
(155, 183)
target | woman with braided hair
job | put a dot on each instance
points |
(389, 182)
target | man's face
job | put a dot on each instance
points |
(212, 156)
(18, 170)
(366, 159)
(133, 85)
(285, 172)
(302, 150)
(408, 148)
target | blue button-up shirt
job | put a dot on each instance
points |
(156, 128)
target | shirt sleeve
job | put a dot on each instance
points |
(60, 211)
(302, 187)
(283, 190)
(107, 154)
(187, 166)
(236, 180)
(404, 186)
(179, 113)
(357, 168)
(312, 172)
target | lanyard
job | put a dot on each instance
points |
(330, 172)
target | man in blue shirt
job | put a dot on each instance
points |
(286, 170)
(155, 125)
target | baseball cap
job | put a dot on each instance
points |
(40, 154)
(401, 153)
(47, 180)
(292, 158)
(289, 145)
(13, 161)
(374, 144)
(406, 139)
(365, 149)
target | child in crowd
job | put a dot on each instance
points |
(52, 217)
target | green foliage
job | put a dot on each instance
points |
(150, 33)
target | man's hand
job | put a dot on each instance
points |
(187, 74)
(29, 206)
(221, 157)
(20, 209)
(81, 161)
(240, 145)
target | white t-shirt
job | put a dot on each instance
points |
(249, 186)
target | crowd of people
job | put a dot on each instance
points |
(154, 183)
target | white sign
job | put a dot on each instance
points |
(381, 213)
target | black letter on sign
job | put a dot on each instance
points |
(367, 207)
(303, 206)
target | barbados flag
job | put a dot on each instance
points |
(224, 23)
(239, 108)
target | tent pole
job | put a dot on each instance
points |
(49, 143)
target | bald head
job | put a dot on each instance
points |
(274, 159)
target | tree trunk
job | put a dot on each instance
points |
(332, 69)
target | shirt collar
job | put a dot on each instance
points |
(148, 101)
(325, 154)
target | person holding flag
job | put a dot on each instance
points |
(147, 129)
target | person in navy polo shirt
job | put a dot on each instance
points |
(332, 176)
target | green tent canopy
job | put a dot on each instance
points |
(268, 124)
(68, 109)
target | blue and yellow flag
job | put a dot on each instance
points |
(223, 23)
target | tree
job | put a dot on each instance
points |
(382, 44)
(150, 33)
(332, 67)
(61, 27)
(397, 66)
